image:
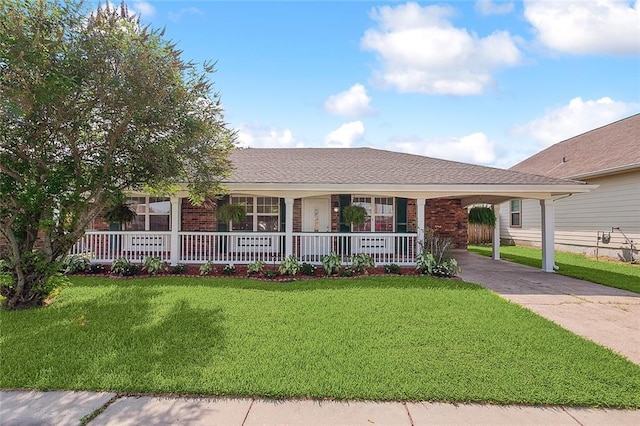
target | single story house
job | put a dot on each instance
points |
(603, 222)
(294, 198)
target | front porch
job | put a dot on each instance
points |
(245, 247)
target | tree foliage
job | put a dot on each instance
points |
(91, 104)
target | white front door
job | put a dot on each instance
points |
(316, 217)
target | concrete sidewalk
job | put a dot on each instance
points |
(605, 315)
(69, 408)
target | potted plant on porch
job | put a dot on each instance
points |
(354, 215)
(231, 212)
(119, 212)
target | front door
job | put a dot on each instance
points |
(316, 218)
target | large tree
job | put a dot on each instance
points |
(92, 104)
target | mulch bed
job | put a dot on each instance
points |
(241, 272)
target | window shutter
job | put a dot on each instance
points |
(283, 215)
(401, 215)
(223, 226)
(344, 200)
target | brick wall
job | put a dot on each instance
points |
(447, 218)
(335, 216)
(198, 218)
(297, 215)
(412, 215)
(98, 223)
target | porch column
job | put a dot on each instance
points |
(548, 231)
(288, 228)
(495, 246)
(420, 203)
(174, 257)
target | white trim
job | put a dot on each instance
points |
(175, 228)
(548, 232)
(495, 244)
(288, 238)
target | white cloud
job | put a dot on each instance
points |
(474, 148)
(351, 103)
(260, 136)
(489, 7)
(575, 118)
(144, 9)
(177, 16)
(587, 27)
(421, 51)
(346, 135)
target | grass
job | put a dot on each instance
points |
(380, 338)
(610, 273)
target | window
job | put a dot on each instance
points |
(516, 213)
(263, 214)
(379, 213)
(152, 214)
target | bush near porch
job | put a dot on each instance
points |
(379, 338)
(620, 275)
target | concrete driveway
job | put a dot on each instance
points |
(605, 315)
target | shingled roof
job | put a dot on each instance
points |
(608, 149)
(366, 166)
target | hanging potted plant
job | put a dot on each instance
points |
(354, 215)
(231, 212)
(118, 211)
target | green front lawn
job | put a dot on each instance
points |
(613, 274)
(381, 338)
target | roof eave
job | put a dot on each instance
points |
(606, 172)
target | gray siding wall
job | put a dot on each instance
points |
(578, 218)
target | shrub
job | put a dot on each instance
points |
(229, 269)
(206, 268)
(121, 266)
(289, 266)
(270, 273)
(392, 269)
(96, 268)
(361, 261)
(255, 268)
(153, 265)
(177, 269)
(347, 271)
(331, 263)
(75, 263)
(427, 263)
(308, 269)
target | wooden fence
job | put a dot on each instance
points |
(480, 234)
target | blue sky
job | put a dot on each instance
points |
(487, 82)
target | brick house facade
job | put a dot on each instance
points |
(296, 195)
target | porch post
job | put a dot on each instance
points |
(548, 231)
(420, 203)
(495, 246)
(288, 228)
(174, 244)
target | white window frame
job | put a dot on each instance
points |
(373, 214)
(517, 212)
(254, 213)
(147, 214)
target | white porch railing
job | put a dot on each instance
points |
(245, 247)
(106, 246)
(383, 247)
(231, 247)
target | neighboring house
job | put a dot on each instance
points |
(294, 199)
(608, 157)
